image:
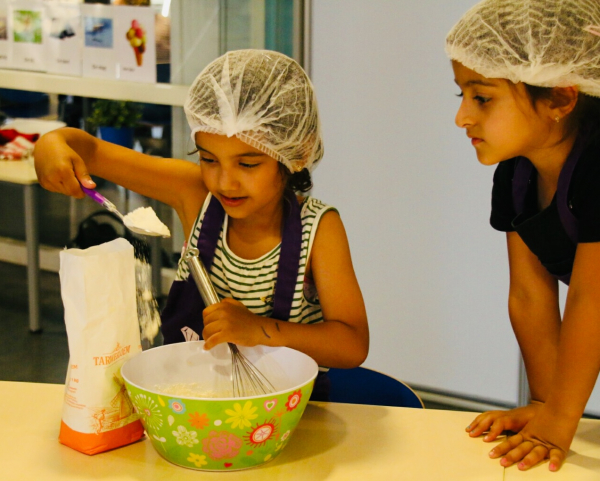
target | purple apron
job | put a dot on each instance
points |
(556, 220)
(183, 311)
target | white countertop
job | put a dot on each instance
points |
(18, 172)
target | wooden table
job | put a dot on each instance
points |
(333, 442)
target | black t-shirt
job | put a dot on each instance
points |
(583, 196)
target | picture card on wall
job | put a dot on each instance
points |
(99, 58)
(135, 43)
(5, 37)
(64, 38)
(25, 19)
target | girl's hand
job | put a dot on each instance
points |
(59, 168)
(498, 421)
(545, 437)
(231, 321)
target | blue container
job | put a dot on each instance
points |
(120, 136)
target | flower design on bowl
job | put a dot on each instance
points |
(198, 421)
(221, 445)
(261, 433)
(148, 410)
(241, 416)
(177, 406)
(294, 400)
(185, 437)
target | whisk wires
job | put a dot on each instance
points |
(247, 379)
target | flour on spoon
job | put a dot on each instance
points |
(145, 218)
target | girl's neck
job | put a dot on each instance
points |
(254, 236)
(549, 163)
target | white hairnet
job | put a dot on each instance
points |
(263, 98)
(547, 43)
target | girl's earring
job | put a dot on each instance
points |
(557, 119)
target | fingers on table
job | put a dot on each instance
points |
(557, 458)
(507, 447)
(480, 424)
(487, 422)
(526, 454)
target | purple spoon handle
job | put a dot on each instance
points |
(95, 196)
(103, 201)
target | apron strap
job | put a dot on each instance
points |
(212, 224)
(289, 256)
(568, 220)
(520, 182)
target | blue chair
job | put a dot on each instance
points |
(366, 386)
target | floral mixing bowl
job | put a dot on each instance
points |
(195, 429)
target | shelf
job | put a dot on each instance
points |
(159, 93)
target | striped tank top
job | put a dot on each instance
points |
(252, 282)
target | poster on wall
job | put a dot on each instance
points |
(5, 43)
(135, 44)
(64, 38)
(25, 20)
(99, 59)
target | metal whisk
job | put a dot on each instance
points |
(246, 377)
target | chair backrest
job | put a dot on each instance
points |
(366, 386)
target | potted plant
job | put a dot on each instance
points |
(115, 120)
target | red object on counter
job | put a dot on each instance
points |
(8, 135)
(15, 145)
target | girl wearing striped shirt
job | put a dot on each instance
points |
(272, 255)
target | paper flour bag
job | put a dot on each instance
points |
(98, 293)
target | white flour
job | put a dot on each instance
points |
(192, 389)
(145, 218)
(147, 306)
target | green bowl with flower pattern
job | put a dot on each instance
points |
(183, 395)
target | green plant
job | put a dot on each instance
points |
(115, 113)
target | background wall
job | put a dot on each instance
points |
(414, 199)
(412, 195)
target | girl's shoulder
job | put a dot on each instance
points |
(321, 227)
(312, 209)
(309, 203)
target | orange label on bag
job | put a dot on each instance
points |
(97, 443)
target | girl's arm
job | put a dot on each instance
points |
(534, 313)
(66, 157)
(342, 340)
(535, 317)
(550, 433)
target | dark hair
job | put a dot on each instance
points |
(586, 112)
(296, 181)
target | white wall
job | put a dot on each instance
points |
(412, 195)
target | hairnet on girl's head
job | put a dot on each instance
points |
(547, 43)
(263, 98)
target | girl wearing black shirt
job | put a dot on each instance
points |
(529, 75)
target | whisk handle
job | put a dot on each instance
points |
(205, 286)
